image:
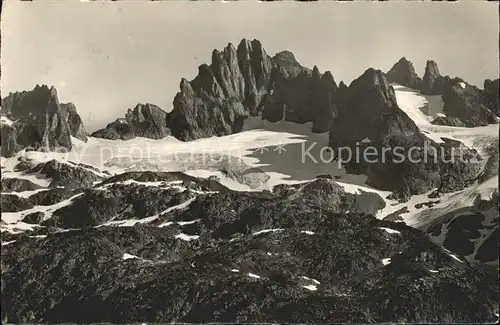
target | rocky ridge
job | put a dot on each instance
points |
(246, 81)
(403, 73)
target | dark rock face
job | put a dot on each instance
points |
(145, 120)
(223, 94)
(466, 103)
(432, 82)
(401, 159)
(40, 121)
(74, 121)
(491, 88)
(403, 73)
(295, 257)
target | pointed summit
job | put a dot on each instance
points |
(403, 73)
(433, 82)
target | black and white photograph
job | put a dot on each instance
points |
(244, 162)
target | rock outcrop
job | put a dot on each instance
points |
(145, 120)
(40, 122)
(400, 158)
(403, 73)
(371, 112)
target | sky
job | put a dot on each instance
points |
(106, 57)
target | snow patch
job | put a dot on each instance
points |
(433, 271)
(308, 232)
(129, 256)
(26, 194)
(462, 84)
(266, 231)
(390, 231)
(310, 287)
(186, 237)
(255, 276)
(386, 261)
(5, 120)
(5, 243)
(455, 257)
(235, 270)
(183, 223)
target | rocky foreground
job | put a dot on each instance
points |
(164, 247)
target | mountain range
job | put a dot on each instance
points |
(222, 222)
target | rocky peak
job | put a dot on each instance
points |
(404, 74)
(431, 68)
(40, 121)
(144, 120)
(148, 120)
(287, 64)
(316, 76)
(370, 111)
(433, 82)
